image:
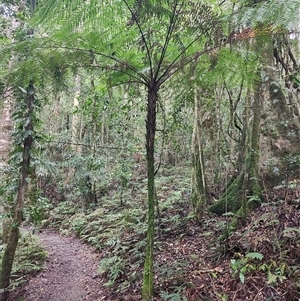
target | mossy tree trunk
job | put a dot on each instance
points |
(248, 177)
(148, 286)
(245, 190)
(13, 236)
(198, 172)
(231, 200)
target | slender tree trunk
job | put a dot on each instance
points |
(216, 151)
(9, 253)
(254, 180)
(198, 176)
(76, 118)
(148, 287)
(6, 142)
(254, 184)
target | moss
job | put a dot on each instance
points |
(232, 226)
(231, 200)
(198, 197)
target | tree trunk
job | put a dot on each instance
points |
(9, 253)
(76, 118)
(253, 167)
(6, 127)
(198, 176)
(148, 287)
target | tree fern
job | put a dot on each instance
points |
(279, 14)
(115, 29)
(139, 41)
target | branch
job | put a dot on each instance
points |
(181, 62)
(233, 105)
(177, 61)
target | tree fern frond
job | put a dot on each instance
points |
(276, 13)
(133, 33)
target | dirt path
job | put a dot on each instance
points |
(70, 272)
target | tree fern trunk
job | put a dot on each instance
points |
(148, 287)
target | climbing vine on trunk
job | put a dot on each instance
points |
(24, 136)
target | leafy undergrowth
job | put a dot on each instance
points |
(29, 259)
(260, 261)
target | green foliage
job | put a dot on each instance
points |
(245, 265)
(60, 213)
(274, 13)
(174, 33)
(175, 296)
(122, 172)
(113, 267)
(223, 297)
(29, 259)
(275, 273)
(89, 170)
(8, 187)
(119, 230)
(172, 280)
(38, 209)
(242, 62)
(254, 255)
(76, 223)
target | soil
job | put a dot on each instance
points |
(70, 272)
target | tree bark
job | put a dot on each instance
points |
(148, 287)
(198, 172)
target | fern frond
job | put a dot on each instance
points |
(133, 33)
(275, 13)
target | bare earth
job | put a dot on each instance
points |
(70, 272)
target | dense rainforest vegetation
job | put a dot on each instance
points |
(163, 133)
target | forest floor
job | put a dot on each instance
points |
(69, 274)
(195, 268)
(260, 261)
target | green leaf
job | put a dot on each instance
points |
(242, 277)
(23, 90)
(271, 278)
(255, 255)
(290, 232)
